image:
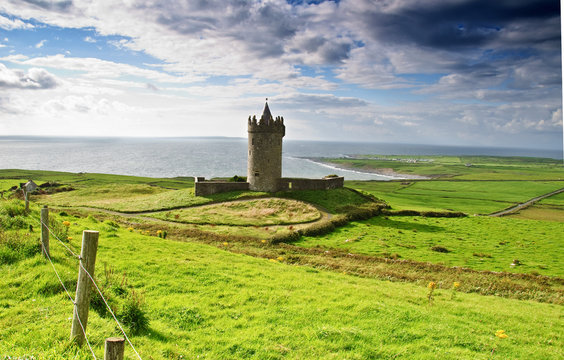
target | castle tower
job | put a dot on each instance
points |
(264, 165)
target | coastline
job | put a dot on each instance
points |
(384, 172)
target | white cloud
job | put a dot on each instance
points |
(35, 78)
(89, 39)
(8, 24)
(40, 44)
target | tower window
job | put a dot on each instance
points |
(252, 141)
(256, 173)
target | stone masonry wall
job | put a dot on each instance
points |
(311, 184)
(204, 188)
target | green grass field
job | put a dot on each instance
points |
(218, 288)
(480, 243)
(460, 167)
(206, 302)
(471, 197)
(133, 198)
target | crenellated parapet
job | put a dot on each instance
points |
(266, 124)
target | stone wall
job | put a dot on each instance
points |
(204, 188)
(311, 184)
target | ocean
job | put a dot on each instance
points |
(209, 157)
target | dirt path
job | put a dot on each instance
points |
(525, 204)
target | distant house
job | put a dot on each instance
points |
(29, 186)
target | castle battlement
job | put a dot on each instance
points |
(266, 125)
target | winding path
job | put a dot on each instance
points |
(525, 204)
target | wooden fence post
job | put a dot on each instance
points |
(113, 349)
(83, 287)
(26, 197)
(45, 231)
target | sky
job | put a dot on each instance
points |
(444, 72)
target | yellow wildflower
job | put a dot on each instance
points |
(69, 237)
(273, 260)
(432, 285)
(501, 334)
(280, 258)
(225, 243)
(66, 223)
(130, 229)
(159, 232)
(263, 241)
(456, 285)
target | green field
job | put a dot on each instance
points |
(207, 302)
(459, 167)
(133, 198)
(471, 197)
(213, 281)
(480, 243)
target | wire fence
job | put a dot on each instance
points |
(69, 250)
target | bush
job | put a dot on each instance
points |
(238, 178)
(440, 249)
(287, 237)
(320, 228)
(132, 313)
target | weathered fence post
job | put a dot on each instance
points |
(45, 231)
(113, 349)
(26, 197)
(83, 287)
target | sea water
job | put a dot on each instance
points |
(208, 157)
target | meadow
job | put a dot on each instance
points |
(471, 197)
(294, 275)
(458, 167)
(204, 301)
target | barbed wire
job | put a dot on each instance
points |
(95, 285)
(61, 241)
(110, 310)
(70, 297)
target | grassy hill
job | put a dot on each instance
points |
(297, 275)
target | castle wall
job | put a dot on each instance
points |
(204, 188)
(311, 184)
(264, 165)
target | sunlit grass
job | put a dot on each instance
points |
(205, 301)
(472, 197)
(261, 212)
(481, 243)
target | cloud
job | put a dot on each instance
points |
(34, 79)
(9, 24)
(448, 66)
(40, 44)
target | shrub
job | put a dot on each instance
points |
(286, 237)
(320, 228)
(132, 313)
(238, 178)
(440, 249)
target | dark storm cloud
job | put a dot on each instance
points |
(51, 5)
(466, 24)
(317, 101)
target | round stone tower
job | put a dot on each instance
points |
(264, 166)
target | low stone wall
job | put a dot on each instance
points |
(311, 184)
(203, 188)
